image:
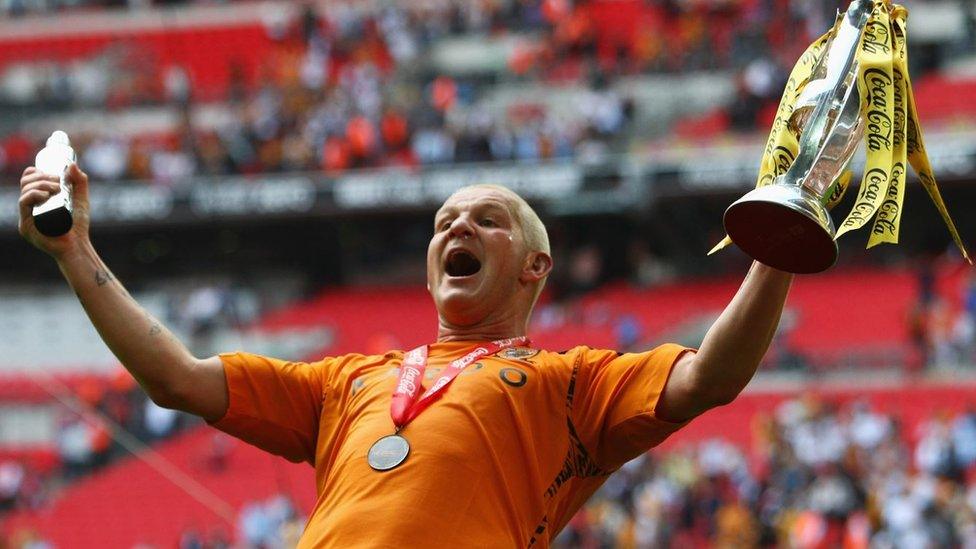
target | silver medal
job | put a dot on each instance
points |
(388, 452)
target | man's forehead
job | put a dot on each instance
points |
(476, 197)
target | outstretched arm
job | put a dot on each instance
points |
(170, 375)
(731, 350)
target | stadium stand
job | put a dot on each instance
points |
(315, 137)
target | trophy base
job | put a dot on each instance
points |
(785, 227)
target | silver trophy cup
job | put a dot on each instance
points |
(786, 224)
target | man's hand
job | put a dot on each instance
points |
(35, 188)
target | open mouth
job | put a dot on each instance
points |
(461, 263)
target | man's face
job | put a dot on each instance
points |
(475, 258)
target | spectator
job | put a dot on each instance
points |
(159, 422)
(269, 523)
(76, 446)
(12, 476)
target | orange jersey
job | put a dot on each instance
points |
(505, 457)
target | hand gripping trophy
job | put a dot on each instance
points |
(850, 84)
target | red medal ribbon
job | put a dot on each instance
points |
(406, 405)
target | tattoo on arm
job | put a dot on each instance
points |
(155, 328)
(102, 276)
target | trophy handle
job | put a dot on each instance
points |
(786, 224)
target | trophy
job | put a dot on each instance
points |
(851, 85)
(786, 224)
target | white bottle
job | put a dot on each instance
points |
(53, 217)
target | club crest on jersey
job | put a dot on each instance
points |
(519, 353)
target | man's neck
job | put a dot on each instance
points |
(479, 332)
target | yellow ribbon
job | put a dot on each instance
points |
(885, 228)
(917, 156)
(875, 85)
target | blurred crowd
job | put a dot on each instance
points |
(272, 523)
(351, 88)
(335, 94)
(942, 328)
(821, 476)
(345, 89)
(84, 441)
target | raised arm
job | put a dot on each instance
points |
(731, 350)
(164, 367)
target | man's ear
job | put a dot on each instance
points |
(538, 265)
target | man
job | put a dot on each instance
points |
(500, 456)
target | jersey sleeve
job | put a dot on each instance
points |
(274, 405)
(614, 409)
